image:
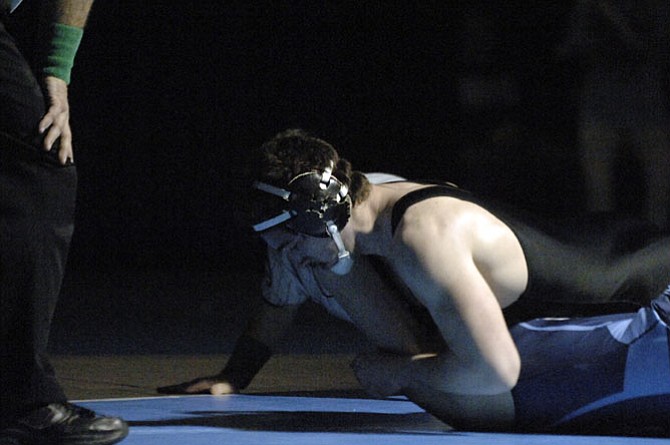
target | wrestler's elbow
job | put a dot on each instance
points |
(495, 375)
(489, 380)
(478, 376)
(511, 374)
(505, 372)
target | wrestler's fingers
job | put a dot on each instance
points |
(222, 388)
(200, 385)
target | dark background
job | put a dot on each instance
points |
(169, 97)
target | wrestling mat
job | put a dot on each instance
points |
(296, 420)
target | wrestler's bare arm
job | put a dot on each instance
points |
(438, 262)
(457, 385)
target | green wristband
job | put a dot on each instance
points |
(64, 45)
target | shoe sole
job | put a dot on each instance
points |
(23, 438)
(93, 439)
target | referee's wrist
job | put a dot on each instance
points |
(62, 49)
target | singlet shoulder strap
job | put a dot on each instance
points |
(412, 198)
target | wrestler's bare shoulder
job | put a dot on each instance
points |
(442, 232)
(442, 215)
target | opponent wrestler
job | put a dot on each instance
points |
(460, 261)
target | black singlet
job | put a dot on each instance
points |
(587, 267)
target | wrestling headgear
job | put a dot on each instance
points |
(315, 204)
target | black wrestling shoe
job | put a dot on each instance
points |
(64, 424)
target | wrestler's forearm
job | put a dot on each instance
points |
(248, 358)
(270, 323)
(446, 372)
(254, 348)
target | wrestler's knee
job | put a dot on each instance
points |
(466, 412)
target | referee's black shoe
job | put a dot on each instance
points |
(64, 424)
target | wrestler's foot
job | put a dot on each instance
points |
(64, 424)
(201, 385)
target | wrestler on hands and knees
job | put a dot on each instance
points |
(432, 275)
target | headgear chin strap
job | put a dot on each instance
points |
(316, 204)
(344, 260)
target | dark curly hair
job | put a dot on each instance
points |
(294, 151)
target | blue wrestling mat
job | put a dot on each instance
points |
(290, 420)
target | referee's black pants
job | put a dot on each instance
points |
(37, 200)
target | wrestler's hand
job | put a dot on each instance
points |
(215, 385)
(381, 374)
(56, 122)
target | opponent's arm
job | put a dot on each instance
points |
(373, 304)
(252, 350)
(65, 20)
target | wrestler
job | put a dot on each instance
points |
(464, 263)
